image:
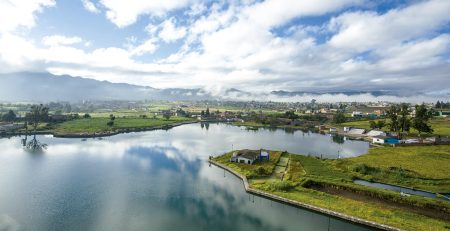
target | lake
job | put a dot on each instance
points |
(156, 180)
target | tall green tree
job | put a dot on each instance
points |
(37, 114)
(167, 115)
(392, 114)
(421, 120)
(10, 116)
(339, 118)
(404, 120)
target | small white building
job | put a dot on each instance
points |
(245, 156)
(333, 129)
(357, 114)
(347, 129)
(378, 139)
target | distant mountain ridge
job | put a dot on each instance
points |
(45, 87)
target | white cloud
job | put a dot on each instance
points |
(58, 40)
(124, 13)
(14, 14)
(361, 31)
(170, 32)
(147, 47)
(90, 6)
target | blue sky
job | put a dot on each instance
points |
(256, 46)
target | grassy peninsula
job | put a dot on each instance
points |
(329, 183)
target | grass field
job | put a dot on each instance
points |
(422, 167)
(441, 126)
(382, 206)
(99, 124)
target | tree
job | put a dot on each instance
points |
(166, 115)
(420, 121)
(202, 113)
(38, 114)
(404, 121)
(438, 105)
(377, 125)
(381, 124)
(339, 118)
(87, 116)
(392, 114)
(207, 112)
(10, 116)
(68, 108)
(372, 124)
(291, 115)
(111, 120)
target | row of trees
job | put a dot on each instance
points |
(442, 105)
(402, 122)
(400, 119)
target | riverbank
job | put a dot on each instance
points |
(97, 127)
(328, 185)
(300, 204)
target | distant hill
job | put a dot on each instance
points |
(44, 87)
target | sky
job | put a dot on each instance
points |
(257, 46)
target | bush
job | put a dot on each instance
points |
(110, 123)
(363, 169)
(260, 171)
(281, 186)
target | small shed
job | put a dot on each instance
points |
(378, 139)
(264, 155)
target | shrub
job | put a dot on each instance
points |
(281, 186)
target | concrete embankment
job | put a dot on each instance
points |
(304, 205)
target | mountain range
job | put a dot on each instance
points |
(45, 87)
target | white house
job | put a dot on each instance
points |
(357, 114)
(245, 156)
(378, 139)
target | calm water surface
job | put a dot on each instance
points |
(156, 180)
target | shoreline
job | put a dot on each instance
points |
(304, 205)
(99, 134)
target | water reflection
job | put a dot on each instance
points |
(34, 145)
(338, 139)
(157, 180)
